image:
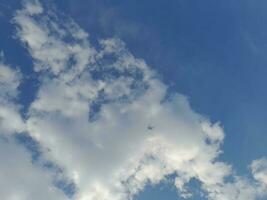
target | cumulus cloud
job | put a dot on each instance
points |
(19, 179)
(10, 119)
(259, 170)
(106, 119)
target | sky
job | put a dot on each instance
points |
(133, 100)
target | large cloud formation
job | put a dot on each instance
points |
(106, 120)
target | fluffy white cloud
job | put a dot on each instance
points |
(10, 119)
(19, 179)
(259, 170)
(138, 134)
(46, 40)
(9, 80)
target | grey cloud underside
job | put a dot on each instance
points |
(104, 118)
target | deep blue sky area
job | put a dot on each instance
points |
(212, 51)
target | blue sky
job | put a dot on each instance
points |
(212, 52)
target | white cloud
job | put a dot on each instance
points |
(9, 80)
(20, 180)
(137, 137)
(259, 170)
(46, 40)
(10, 119)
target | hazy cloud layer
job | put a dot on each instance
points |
(107, 121)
